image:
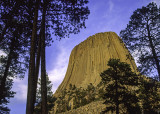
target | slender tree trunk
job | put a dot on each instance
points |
(4, 78)
(117, 101)
(37, 69)
(153, 51)
(31, 75)
(43, 65)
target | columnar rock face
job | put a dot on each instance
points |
(90, 57)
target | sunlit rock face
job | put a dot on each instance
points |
(89, 58)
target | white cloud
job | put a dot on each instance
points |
(57, 74)
(20, 87)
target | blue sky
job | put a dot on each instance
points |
(105, 15)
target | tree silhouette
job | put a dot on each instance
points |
(63, 17)
(50, 97)
(121, 87)
(149, 95)
(32, 77)
(14, 42)
(142, 35)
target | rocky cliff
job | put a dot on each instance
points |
(90, 57)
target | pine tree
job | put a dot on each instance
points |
(63, 17)
(121, 88)
(91, 92)
(149, 95)
(50, 98)
(33, 69)
(142, 35)
(43, 65)
(14, 42)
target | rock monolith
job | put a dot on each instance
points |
(89, 58)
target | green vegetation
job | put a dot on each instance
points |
(123, 90)
(25, 28)
(25, 31)
(127, 92)
(50, 97)
(14, 43)
(149, 96)
(142, 38)
(75, 97)
(61, 18)
(121, 87)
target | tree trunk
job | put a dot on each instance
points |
(153, 51)
(43, 65)
(4, 78)
(31, 75)
(37, 69)
(117, 101)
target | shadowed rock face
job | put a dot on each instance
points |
(90, 58)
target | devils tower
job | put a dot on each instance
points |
(89, 58)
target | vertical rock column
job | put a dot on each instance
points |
(89, 58)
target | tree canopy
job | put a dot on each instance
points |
(14, 43)
(142, 36)
(129, 92)
(121, 82)
(25, 31)
(62, 17)
(50, 97)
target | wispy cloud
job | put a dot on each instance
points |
(20, 87)
(57, 74)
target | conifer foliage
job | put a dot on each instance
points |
(14, 43)
(149, 95)
(142, 35)
(121, 88)
(25, 30)
(50, 97)
(62, 17)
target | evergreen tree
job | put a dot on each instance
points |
(149, 95)
(91, 92)
(82, 97)
(142, 35)
(14, 42)
(50, 97)
(62, 17)
(62, 102)
(8, 93)
(43, 65)
(14, 12)
(121, 87)
(33, 69)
